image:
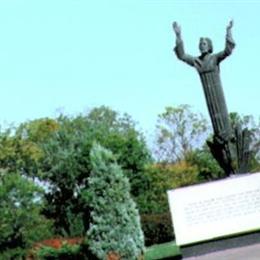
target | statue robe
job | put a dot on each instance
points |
(208, 68)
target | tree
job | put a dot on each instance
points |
(115, 224)
(247, 133)
(118, 133)
(65, 168)
(207, 167)
(163, 177)
(63, 159)
(19, 147)
(179, 131)
(21, 223)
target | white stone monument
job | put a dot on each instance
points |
(215, 209)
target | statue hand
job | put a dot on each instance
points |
(230, 25)
(176, 28)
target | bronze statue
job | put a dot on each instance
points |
(207, 65)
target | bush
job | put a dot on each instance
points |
(17, 253)
(153, 203)
(157, 228)
(163, 177)
(65, 252)
(115, 227)
(60, 249)
(21, 223)
(208, 168)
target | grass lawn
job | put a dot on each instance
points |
(163, 251)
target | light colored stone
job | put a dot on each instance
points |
(212, 210)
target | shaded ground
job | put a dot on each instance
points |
(251, 252)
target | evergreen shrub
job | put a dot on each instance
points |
(115, 223)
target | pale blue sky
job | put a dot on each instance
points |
(77, 54)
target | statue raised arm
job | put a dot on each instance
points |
(230, 44)
(179, 48)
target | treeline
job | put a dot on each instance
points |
(45, 167)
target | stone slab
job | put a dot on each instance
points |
(215, 209)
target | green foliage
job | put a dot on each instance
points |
(68, 252)
(60, 249)
(16, 253)
(65, 169)
(163, 177)
(56, 152)
(208, 168)
(16, 154)
(115, 223)
(163, 251)
(253, 126)
(153, 203)
(20, 221)
(179, 131)
(157, 228)
(19, 148)
(38, 130)
(118, 134)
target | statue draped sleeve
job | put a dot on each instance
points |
(180, 53)
(229, 46)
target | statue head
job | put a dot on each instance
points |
(205, 45)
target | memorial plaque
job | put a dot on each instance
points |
(216, 209)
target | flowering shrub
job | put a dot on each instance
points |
(112, 256)
(58, 248)
(59, 242)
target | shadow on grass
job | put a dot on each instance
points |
(163, 251)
